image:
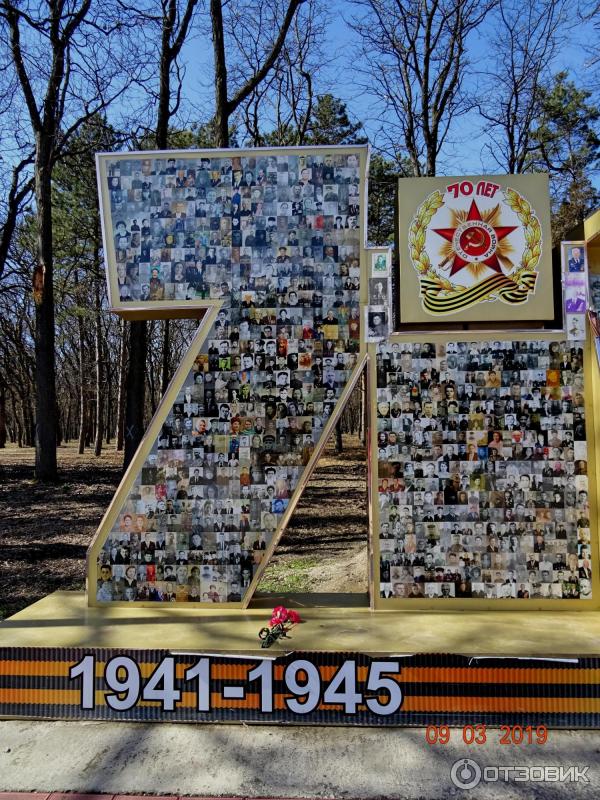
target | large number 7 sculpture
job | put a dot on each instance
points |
(267, 246)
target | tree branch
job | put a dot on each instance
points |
(15, 40)
(246, 90)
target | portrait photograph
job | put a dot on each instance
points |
(273, 239)
(482, 483)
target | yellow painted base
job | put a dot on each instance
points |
(63, 619)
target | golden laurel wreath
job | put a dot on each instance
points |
(440, 296)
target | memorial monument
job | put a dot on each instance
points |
(483, 581)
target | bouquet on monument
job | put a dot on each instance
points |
(281, 622)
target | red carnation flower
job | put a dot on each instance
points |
(280, 614)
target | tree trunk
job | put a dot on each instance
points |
(91, 421)
(43, 294)
(364, 400)
(122, 377)
(152, 389)
(68, 424)
(108, 408)
(82, 392)
(135, 389)
(17, 420)
(431, 159)
(29, 432)
(339, 445)
(165, 357)
(12, 425)
(99, 365)
(221, 110)
(2, 414)
(164, 86)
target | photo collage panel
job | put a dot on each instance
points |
(482, 470)
(575, 286)
(378, 314)
(276, 240)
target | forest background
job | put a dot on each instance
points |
(437, 87)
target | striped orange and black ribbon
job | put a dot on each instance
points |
(508, 290)
(437, 689)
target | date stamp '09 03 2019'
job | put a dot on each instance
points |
(480, 734)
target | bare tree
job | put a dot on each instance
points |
(283, 103)
(121, 387)
(175, 26)
(169, 22)
(527, 37)
(242, 21)
(3, 392)
(414, 60)
(16, 350)
(15, 198)
(172, 21)
(65, 76)
(589, 15)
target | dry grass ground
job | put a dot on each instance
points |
(46, 529)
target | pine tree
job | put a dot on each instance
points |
(383, 182)
(568, 147)
(330, 124)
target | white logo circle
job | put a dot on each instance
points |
(465, 773)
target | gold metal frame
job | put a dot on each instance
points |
(539, 307)
(564, 263)
(150, 436)
(179, 309)
(590, 372)
(207, 310)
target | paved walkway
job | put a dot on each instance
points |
(79, 796)
(245, 761)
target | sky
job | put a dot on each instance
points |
(464, 151)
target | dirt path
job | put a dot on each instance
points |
(325, 547)
(45, 529)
